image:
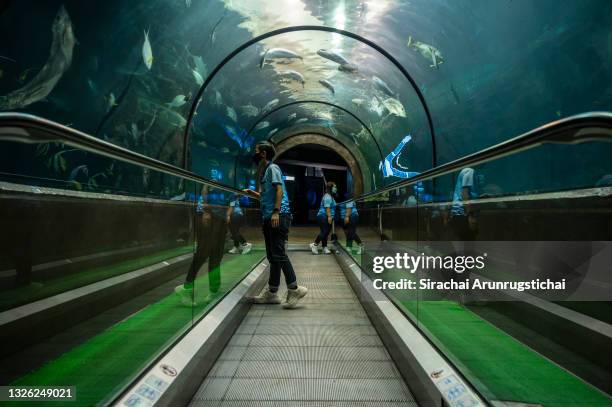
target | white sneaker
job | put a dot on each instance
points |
(294, 296)
(246, 248)
(267, 297)
(185, 294)
(314, 248)
(326, 250)
(233, 250)
(359, 249)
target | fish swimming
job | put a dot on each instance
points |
(349, 68)
(427, 51)
(357, 102)
(231, 113)
(382, 86)
(291, 116)
(147, 51)
(60, 59)
(292, 75)
(249, 110)
(218, 101)
(198, 78)
(269, 106)
(75, 172)
(376, 106)
(261, 125)
(328, 85)
(394, 107)
(111, 102)
(272, 132)
(188, 3)
(178, 101)
(278, 53)
(200, 66)
(333, 56)
(302, 120)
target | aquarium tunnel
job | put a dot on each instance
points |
(134, 253)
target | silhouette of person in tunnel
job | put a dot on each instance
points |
(276, 219)
(210, 231)
(325, 218)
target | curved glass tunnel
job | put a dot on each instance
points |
(365, 93)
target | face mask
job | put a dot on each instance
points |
(334, 190)
(256, 158)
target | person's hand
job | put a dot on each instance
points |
(329, 220)
(252, 193)
(346, 220)
(275, 220)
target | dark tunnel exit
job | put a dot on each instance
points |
(307, 167)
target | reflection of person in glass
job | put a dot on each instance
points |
(235, 220)
(349, 218)
(210, 229)
(463, 219)
(276, 215)
(325, 218)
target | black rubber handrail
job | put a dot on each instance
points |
(591, 126)
(32, 129)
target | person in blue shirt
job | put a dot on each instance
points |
(235, 219)
(276, 217)
(463, 218)
(349, 218)
(210, 231)
(325, 218)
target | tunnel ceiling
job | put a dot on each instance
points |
(486, 70)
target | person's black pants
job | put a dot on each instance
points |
(325, 229)
(350, 230)
(236, 222)
(210, 237)
(275, 239)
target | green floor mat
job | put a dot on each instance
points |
(501, 367)
(102, 365)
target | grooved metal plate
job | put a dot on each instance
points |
(325, 353)
(318, 389)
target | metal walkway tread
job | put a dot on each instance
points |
(324, 353)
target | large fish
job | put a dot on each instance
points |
(147, 51)
(60, 59)
(349, 68)
(333, 56)
(427, 51)
(382, 86)
(292, 75)
(249, 110)
(261, 125)
(198, 78)
(269, 106)
(274, 53)
(178, 101)
(328, 85)
(394, 107)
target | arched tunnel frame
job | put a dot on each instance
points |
(284, 30)
(354, 165)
